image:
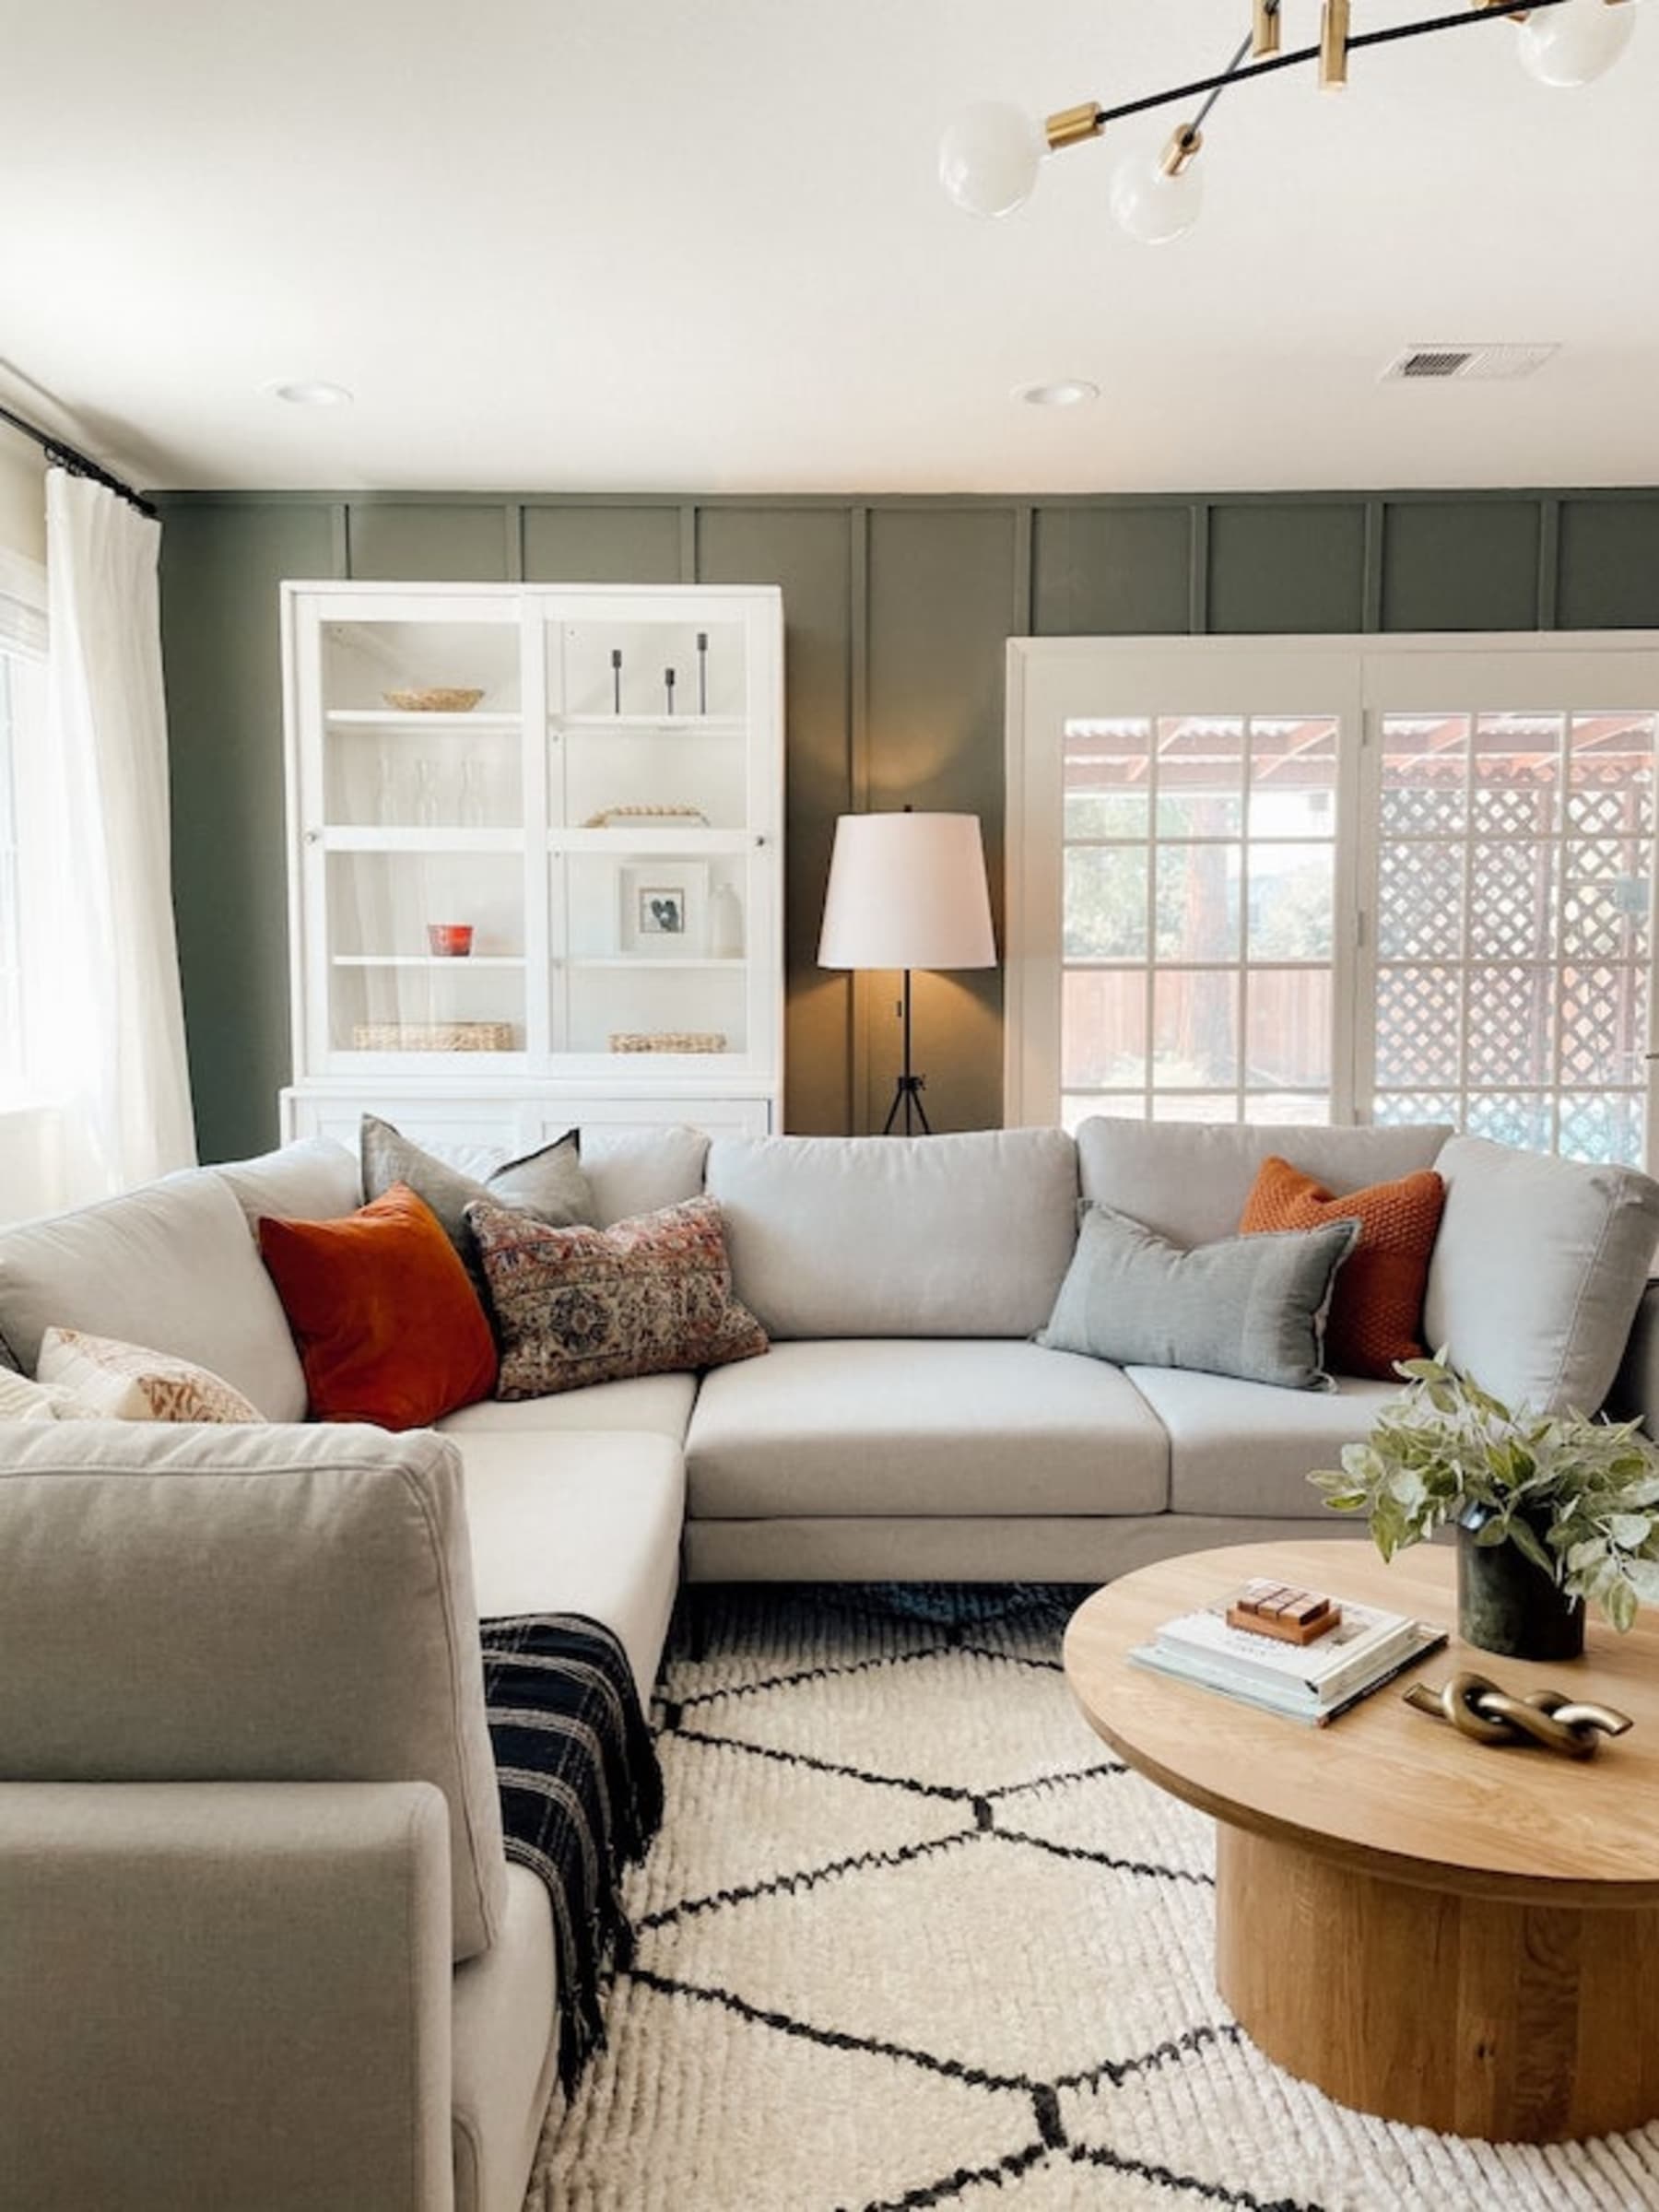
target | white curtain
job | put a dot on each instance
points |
(105, 1021)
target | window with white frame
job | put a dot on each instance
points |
(1282, 880)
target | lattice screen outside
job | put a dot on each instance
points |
(1515, 858)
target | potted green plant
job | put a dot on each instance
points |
(1552, 1510)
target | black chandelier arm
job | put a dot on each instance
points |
(1239, 71)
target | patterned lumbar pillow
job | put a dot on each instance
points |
(1252, 1307)
(125, 1383)
(1377, 1312)
(21, 1400)
(651, 1296)
(548, 1185)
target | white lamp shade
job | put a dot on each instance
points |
(907, 891)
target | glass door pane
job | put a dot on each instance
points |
(1514, 891)
(1198, 926)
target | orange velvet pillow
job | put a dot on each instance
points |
(389, 1328)
(1377, 1311)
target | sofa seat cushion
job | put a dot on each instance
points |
(1247, 1448)
(940, 1428)
(649, 1405)
(874, 1235)
(578, 1523)
(504, 2023)
(171, 1266)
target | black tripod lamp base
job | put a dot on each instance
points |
(906, 1100)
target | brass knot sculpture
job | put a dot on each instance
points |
(1480, 1709)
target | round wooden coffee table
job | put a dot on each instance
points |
(1425, 1928)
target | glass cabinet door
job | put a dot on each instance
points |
(661, 879)
(415, 812)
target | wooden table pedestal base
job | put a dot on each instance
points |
(1510, 2022)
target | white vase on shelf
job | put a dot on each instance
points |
(725, 924)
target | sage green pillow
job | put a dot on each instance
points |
(1252, 1307)
(548, 1184)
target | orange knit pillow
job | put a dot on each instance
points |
(1377, 1312)
(389, 1328)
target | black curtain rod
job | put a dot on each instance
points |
(77, 464)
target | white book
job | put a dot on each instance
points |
(1294, 1700)
(1364, 1638)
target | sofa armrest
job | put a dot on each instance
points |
(1635, 1392)
(226, 1994)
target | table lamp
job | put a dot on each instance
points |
(907, 891)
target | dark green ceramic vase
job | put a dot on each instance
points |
(1508, 1606)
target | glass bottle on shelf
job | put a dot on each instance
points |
(725, 924)
(475, 794)
(428, 812)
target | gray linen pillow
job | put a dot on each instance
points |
(548, 1185)
(1252, 1307)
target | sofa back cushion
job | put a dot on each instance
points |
(172, 1266)
(248, 1605)
(315, 1180)
(1537, 1272)
(1190, 1181)
(635, 1170)
(882, 1236)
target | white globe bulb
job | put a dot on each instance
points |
(989, 158)
(1576, 42)
(1151, 207)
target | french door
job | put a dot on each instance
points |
(1279, 880)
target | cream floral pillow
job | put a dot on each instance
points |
(125, 1383)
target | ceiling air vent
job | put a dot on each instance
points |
(1485, 363)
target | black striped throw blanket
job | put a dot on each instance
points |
(582, 1794)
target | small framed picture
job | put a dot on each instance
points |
(661, 909)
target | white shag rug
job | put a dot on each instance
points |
(910, 1936)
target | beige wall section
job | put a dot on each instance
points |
(22, 495)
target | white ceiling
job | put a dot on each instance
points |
(699, 244)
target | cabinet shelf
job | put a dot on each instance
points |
(628, 960)
(647, 725)
(349, 838)
(428, 959)
(401, 718)
(681, 844)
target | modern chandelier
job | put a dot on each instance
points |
(990, 156)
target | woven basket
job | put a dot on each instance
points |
(667, 1040)
(431, 1037)
(439, 699)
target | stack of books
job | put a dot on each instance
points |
(1310, 1682)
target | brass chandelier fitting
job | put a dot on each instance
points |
(990, 157)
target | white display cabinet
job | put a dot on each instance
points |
(535, 857)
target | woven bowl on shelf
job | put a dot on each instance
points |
(432, 1037)
(667, 1040)
(437, 699)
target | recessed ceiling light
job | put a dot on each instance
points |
(313, 394)
(1071, 392)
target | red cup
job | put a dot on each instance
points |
(450, 940)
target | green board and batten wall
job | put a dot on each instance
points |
(898, 610)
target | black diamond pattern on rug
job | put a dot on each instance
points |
(911, 1937)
